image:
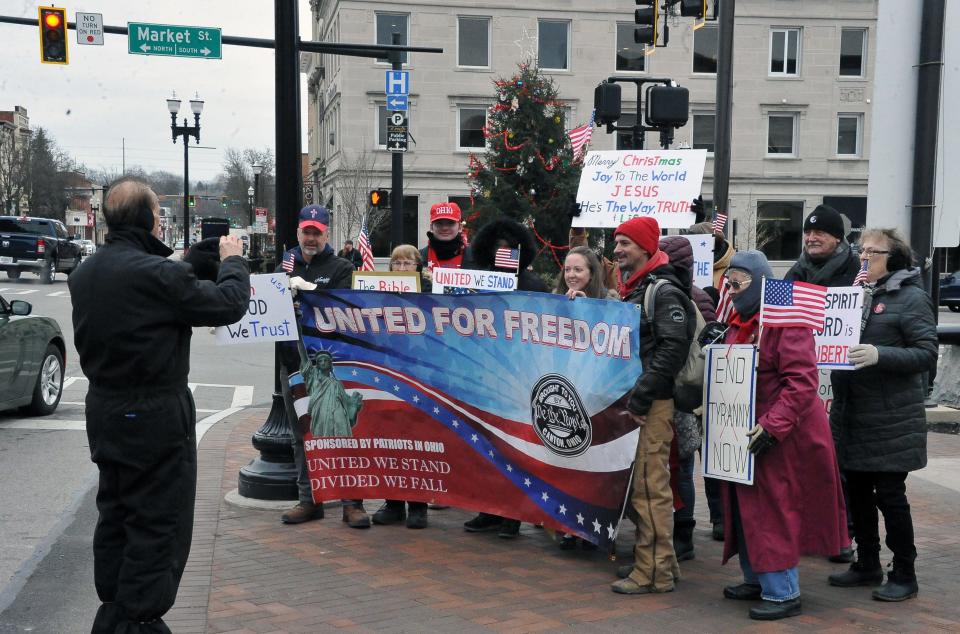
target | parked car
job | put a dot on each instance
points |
(32, 354)
(87, 247)
(37, 245)
(950, 291)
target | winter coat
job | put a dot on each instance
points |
(795, 505)
(466, 262)
(484, 247)
(839, 269)
(665, 342)
(134, 311)
(878, 417)
(680, 252)
(353, 257)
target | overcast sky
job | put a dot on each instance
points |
(106, 97)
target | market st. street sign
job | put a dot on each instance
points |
(173, 41)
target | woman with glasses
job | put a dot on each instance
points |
(878, 417)
(795, 505)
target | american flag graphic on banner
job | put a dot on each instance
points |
(288, 261)
(301, 400)
(719, 222)
(793, 304)
(580, 137)
(363, 245)
(724, 304)
(507, 259)
(861, 277)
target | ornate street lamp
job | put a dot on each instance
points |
(186, 131)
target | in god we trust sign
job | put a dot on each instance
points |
(729, 411)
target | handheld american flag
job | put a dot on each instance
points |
(793, 304)
(724, 304)
(580, 137)
(288, 260)
(363, 245)
(507, 259)
(861, 277)
(719, 222)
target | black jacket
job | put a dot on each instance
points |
(664, 344)
(839, 269)
(353, 258)
(326, 269)
(878, 418)
(484, 247)
(133, 310)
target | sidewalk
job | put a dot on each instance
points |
(249, 573)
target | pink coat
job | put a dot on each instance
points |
(795, 506)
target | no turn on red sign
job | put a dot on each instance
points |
(90, 28)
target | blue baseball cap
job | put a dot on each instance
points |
(315, 216)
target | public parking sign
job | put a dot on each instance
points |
(173, 41)
(397, 132)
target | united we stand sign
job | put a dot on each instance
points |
(508, 403)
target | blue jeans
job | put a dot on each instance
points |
(778, 586)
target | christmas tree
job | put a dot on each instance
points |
(528, 171)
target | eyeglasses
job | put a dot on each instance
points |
(737, 285)
(869, 253)
(396, 264)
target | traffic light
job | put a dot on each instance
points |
(606, 102)
(223, 201)
(53, 35)
(192, 201)
(645, 17)
(380, 198)
(667, 106)
(693, 8)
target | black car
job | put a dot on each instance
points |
(950, 292)
(32, 353)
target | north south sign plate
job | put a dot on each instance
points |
(173, 41)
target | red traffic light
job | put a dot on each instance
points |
(53, 35)
(52, 20)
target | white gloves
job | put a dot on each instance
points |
(300, 284)
(864, 355)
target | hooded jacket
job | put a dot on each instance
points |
(878, 417)
(484, 248)
(839, 269)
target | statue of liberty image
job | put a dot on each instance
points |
(332, 411)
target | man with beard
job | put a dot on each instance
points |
(827, 258)
(446, 246)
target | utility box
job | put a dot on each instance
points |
(667, 106)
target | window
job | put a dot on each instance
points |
(848, 134)
(380, 227)
(852, 52)
(704, 125)
(382, 115)
(705, 50)
(473, 42)
(781, 134)
(553, 44)
(780, 229)
(463, 202)
(785, 52)
(470, 124)
(630, 55)
(387, 23)
(625, 137)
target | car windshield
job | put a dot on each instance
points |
(23, 225)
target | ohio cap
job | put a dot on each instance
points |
(445, 211)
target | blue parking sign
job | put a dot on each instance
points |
(398, 82)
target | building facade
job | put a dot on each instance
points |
(14, 141)
(801, 114)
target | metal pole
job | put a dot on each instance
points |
(289, 187)
(724, 113)
(929, 69)
(396, 195)
(186, 188)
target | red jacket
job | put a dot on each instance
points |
(795, 506)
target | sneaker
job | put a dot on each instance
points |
(303, 512)
(509, 529)
(355, 516)
(775, 610)
(417, 517)
(483, 523)
(390, 513)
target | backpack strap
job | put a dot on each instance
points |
(650, 297)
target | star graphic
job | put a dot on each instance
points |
(611, 531)
(596, 526)
(544, 496)
(563, 510)
(526, 482)
(527, 45)
(510, 468)
(456, 423)
(396, 388)
(376, 379)
(416, 399)
(354, 373)
(579, 519)
(490, 453)
(436, 410)
(473, 438)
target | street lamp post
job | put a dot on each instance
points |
(257, 170)
(186, 131)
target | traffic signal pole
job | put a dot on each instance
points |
(721, 155)
(396, 171)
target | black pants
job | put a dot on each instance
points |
(145, 447)
(872, 490)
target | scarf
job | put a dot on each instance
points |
(657, 260)
(745, 327)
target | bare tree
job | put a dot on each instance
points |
(14, 173)
(356, 178)
(756, 233)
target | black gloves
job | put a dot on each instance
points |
(574, 209)
(697, 208)
(712, 333)
(760, 441)
(204, 257)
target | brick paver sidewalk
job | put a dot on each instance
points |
(250, 573)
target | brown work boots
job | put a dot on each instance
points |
(355, 516)
(303, 512)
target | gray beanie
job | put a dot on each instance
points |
(755, 264)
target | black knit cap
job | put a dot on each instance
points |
(826, 219)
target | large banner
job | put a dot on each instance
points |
(508, 403)
(730, 394)
(616, 186)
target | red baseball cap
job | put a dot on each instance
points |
(445, 211)
(315, 216)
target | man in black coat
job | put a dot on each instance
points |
(133, 311)
(312, 264)
(827, 258)
(351, 255)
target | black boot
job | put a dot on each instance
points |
(483, 522)
(775, 610)
(866, 571)
(683, 539)
(900, 586)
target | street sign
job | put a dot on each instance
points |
(397, 132)
(397, 103)
(173, 41)
(90, 28)
(398, 82)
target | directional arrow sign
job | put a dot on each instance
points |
(173, 41)
(397, 102)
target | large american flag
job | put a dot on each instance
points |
(507, 259)
(580, 137)
(363, 245)
(793, 304)
(861, 277)
(288, 261)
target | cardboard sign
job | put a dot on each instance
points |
(616, 186)
(702, 245)
(841, 329)
(729, 412)
(389, 281)
(269, 316)
(454, 281)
